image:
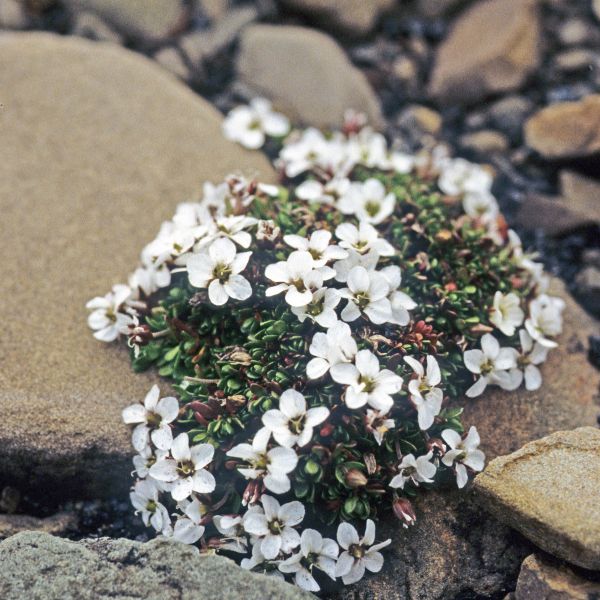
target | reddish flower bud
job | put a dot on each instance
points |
(326, 430)
(355, 478)
(403, 509)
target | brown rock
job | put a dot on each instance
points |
(548, 491)
(12, 15)
(420, 119)
(58, 524)
(485, 141)
(566, 129)
(91, 26)
(567, 399)
(98, 146)
(552, 215)
(171, 59)
(492, 48)
(581, 193)
(324, 83)
(151, 20)
(542, 578)
(355, 17)
(596, 7)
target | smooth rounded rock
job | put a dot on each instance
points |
(305, 73)
(98, 147)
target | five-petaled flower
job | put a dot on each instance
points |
(219, 271)
(463, 453)
(506, 313)
(367, 295)
(185, 469)
(417, 470)
(424, 394)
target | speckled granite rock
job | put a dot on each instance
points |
(39, 566)
(492, 48)
(566, 129)
(541, 578)
(305, 73)
(98, 146)
(548, 490)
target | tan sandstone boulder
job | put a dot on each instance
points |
(98, 146)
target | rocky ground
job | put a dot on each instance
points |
(106, 141)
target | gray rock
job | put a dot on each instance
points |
(201, 46)
(12, 15)
(438, 8)
(171, 59)
(548, 491)
(543, 578)
(596, 8)
(324, 83)
(91, 26)
(508, 115)
(575, 32)
(99, 146)
(492, 48)
(566, 129)
(577, 59)
(150, 20)
(587, 287)
(354, 17)
(39, 566)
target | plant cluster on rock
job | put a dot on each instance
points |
(315, 333)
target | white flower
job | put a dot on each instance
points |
(492, 363)
(359, 554)
(316, 552)
(301, 155)
(400, 302)
(328, 192)
(292, 424)
(506, 313)
(368, 201)
(275, 526)
(152, 419)
(335, 346)
(272, 465)
(317, 246)
(363, 239)
(219, 270)
(418, 470)
(378, 424)
(368, 384)
(343, 267)
(460, 176)
(321, 309)
(258, 563)
(232, 529)
(145, 459)
(298, 277)
(424, 394)
(107, 318)
(463, 454)
(267, 230)
(248, 125)
(367, 294)
(188, 528)
(144, 499)
(186, 468)
(234, 228)
(532, 354)
(545, 319)
(480, 205)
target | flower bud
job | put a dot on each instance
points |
(326, 430)
(355, 478)
(403, 509)
(252, 492)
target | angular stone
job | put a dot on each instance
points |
(456, 549)
(548, 491)
(566, 129)
(38, 565)
(151, 20)
(540, 577)
(305, 73)
(98, 146)
(552, 215)
(355, 17)
(57, 524)
(567, 399)
(492, 48)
